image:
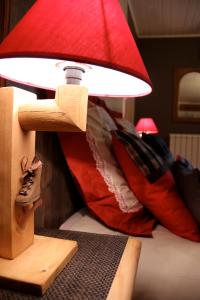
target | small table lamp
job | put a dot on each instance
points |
(55, 45)
(146, 125)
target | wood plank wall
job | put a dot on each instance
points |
(59, 193)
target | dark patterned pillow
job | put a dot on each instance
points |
(149, 161)
(159, 146)
(188, 183)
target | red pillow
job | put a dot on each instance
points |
(160, 197)
(98, 198)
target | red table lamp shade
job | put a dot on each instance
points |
(93, 33)
(146, 125)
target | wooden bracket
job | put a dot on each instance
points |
(68, 112)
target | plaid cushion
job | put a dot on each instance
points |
(159, 146)
(150, 163)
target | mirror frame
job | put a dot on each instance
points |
(178, 74)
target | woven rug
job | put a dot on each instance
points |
(88, 275)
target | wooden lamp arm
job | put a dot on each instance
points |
(67, 112)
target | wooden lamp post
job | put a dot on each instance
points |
(56, 37)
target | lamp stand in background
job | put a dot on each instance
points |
(146, 125)
(29, 261)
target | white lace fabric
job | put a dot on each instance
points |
(99, 127)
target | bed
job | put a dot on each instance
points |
(169, 265)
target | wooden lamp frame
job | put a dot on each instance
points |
(28, 260)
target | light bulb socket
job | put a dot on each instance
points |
(73, 74)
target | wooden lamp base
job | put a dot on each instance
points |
(36, 268)
(27, 262)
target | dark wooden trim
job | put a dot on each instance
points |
(4, 25)
(4, 18)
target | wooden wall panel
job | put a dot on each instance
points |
(59, 193)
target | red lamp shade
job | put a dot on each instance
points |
(146, 125)
(92, 33)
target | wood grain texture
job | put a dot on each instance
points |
(16, 230)
(165, 18)
(36, 268)
(60, 195)
(124, 280)
(68, 112)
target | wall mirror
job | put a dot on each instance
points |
(187, 95)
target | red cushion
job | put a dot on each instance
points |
(97, 196)
(161, 197)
